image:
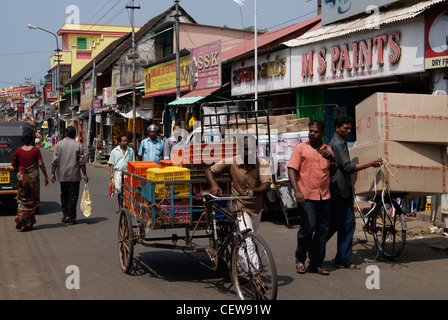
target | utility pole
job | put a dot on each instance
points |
(90, 109)
(256, 55)
(133, 56)
(176, 17)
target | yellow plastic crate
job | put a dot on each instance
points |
(180, 190)
(168, 174)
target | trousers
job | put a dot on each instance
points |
(249, 261)
(342, 221)
(69, 199)
(313, 232)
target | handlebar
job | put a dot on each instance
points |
(227, 198)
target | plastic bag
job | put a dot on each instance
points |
(86, 202)
(111, 188)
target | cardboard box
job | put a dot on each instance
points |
(413, 168)
(403, 117)
(278, 120)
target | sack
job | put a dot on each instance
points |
(111, 188)
(86, 202)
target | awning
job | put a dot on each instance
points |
(56, 102)
(72, 91)
(193, 96)
(85, 114)
(139, 113)
(403, 12)
(119, 95)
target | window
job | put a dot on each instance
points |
(82, 43)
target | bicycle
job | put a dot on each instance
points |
(248, 256)
(386, 222)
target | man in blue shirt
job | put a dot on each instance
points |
(151, 149)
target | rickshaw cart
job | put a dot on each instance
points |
(144, 210)
(150, 205)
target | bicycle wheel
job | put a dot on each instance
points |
(390, 229)
(253, 271)
(125, 241)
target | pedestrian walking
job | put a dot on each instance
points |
(309, 174)
(151, 148)
(118, 161)
(342, 217)
(68, 162)
(26, 162)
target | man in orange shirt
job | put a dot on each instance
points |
(309, 174)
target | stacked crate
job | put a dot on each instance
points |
(208, 153)
(138, 168)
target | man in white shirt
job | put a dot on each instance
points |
(118, 162)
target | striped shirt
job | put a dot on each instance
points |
(151, 150)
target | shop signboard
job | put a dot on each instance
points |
(10, 95)
(274, 71)
(50, 96)
(161, 78)
(86, 98)
(97, 105)
(17, 92)
(205, 66)
(436, 38)
(110, 96)
(86, 101)
(389, 51)
(336, 10)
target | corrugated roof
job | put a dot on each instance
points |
(271, 38)
(393, 14)
(194, 96)
(185, 101)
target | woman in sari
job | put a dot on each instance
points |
(26, 161)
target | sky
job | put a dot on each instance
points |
(25, 53)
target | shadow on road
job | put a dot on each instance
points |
(415, 250)
(47, 207)
(176, 266)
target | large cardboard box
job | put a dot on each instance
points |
(403, 117)
(412, 168)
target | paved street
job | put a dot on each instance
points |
(33, 264)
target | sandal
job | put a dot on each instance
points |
(300, 267)
(319, 270)
(351, 266)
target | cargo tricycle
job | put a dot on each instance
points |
(174, 201)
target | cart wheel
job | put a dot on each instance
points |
(125, 241)
(253, 271)
(390, 224)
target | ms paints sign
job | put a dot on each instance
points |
(389, 51)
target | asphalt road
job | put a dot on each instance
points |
(43, 264)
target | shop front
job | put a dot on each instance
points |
(273, 83)
(344, 64)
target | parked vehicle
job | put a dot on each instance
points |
(10, 140)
